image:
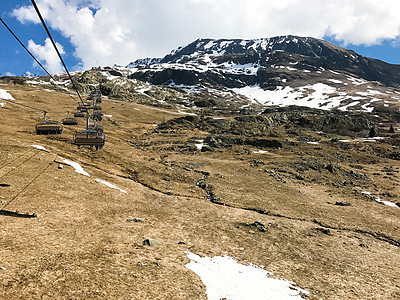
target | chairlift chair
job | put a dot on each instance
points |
(96, 127)
(79, 114)
(48, 127)
(90, 137)
(97, 116)
(70, 121)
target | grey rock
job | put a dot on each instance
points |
(136, 220)
(152, 242)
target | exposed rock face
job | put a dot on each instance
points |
(336, 122)
(266, 60)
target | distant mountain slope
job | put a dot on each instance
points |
(256, 58)
(230, 77)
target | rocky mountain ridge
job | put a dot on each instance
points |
(246, 76)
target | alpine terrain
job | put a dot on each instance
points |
(232, 169)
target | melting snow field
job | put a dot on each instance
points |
(224, 277)
(5, 95)
(317, 95)
(111, 185)
(284, 96)
(77, 167)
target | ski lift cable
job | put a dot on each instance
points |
(24, 105)
(20, 163)
(10, 162)
(19, 193)
(36, 177)
(55, 47)
(27, 50)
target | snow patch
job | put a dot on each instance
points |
(5, 95)
(76, 166)
(335, 81)
(260, 152)
(388, 203)
(225, 278)
(40, 147)
(314, 96)
(111, 185)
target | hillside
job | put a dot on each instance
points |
(307, 205)
(196, 172)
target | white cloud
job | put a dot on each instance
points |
(119, 31)
(48, 54)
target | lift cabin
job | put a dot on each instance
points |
(90, 137)
(48, 127)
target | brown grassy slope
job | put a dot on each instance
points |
(82, 246)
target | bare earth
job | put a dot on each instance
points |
(320, 230)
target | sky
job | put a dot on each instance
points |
(106, 32)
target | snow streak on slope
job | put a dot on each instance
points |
(5, 95)
(110, 185)
(225, 278)
(40, 147)
(76, 166)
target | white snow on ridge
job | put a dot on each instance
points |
(77, 167)
(317, 95)
(225, 278)
(356, 81)
(5, 95)
(335, 81)
(111, 185)
(286, 96)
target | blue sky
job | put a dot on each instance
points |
(107, 32)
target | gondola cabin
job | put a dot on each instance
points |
(49, 127)
(90, 137)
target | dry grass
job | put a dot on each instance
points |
(81, 246)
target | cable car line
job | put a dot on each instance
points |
(20, 164)
(24, 189)
(27, 106)
(12, 161)
(93, 135)
(55, 47)
(27, 50)
(31, 107)
(36, 177)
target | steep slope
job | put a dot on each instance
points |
(316, 208)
